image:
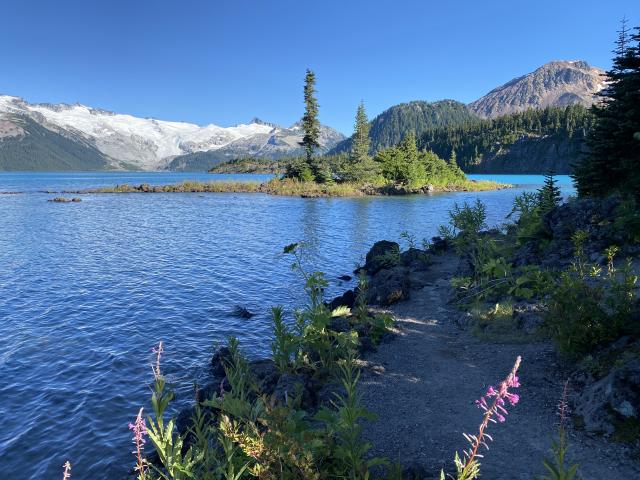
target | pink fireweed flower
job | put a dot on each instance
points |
(67, 471)
(493, 404)
(139, 428)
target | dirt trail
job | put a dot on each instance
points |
(423, 384)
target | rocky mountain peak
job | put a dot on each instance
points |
(557, 83)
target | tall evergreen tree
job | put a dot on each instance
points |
(310, 124)
(612, 163)
(549, 195)
(453, 159)
(361, 140)
(360, 166)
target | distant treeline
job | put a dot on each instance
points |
(470, 142)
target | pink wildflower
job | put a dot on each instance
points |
(139, 429)
(493, 403)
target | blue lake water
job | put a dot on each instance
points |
(86, 290)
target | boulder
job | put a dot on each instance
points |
(611, 400)
(327, 393)
(347, 299)
(214, 388)
(594, 216)
(415, 259)
(383, 254)
(527, 254)
(389, 286)
(218, 361)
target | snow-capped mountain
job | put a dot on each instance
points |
(144, 143)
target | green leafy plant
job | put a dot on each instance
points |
(589, 309)
(167, 442)
(343, 422)
(284, 344)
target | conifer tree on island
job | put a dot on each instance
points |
(612, 163)
(361, 140)
(360, 166)
(311, 126)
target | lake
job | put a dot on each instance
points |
(87, 289)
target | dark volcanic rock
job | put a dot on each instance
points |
(594, 216)
(439, 245)
(612, 400)
(242, 312)
(347, 299)
(218, 360)
(327, 393)
(389, 286)
(383, 254)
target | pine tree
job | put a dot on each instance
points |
(409, 147)
(549, 195)
(453, 160)
(361, 140)
(311, 125)
(612, 163)
(360, 166)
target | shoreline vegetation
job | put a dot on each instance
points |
(294, 187)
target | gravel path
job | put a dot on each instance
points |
(423, 384)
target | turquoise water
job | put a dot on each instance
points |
(87, 289)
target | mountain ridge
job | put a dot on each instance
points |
(121, 141)
(126, 141)
(555, 84)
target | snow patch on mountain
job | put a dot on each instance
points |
(150, 144)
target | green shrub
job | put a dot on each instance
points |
(589, 309)
(529, 225)
(465, 224)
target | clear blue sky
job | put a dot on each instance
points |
(224, 62)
